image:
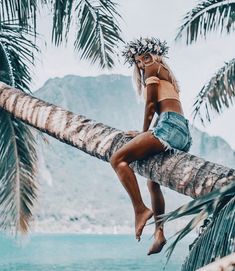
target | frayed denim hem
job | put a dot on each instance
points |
(167, 147)
(165, 144)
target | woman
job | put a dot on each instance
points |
(161, 93)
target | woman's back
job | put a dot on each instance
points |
(165, 90)
(167, 98)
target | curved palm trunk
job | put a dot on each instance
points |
(185, 173)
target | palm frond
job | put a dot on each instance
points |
(21, 12)
(6, 69)
(207, 16)
(17, 145)
(203, 207)
(98, 33)
(20, 50)
(215, 240)
(217, 94)
(62, 16)
(17, 174)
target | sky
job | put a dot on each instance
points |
(193, 65)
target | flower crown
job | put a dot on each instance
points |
(144, 45)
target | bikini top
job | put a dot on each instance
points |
(165, 90)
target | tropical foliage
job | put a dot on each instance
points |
(217, 234)
(212, 209)
(212, 16)
(97, 30)
(17, 145)
(97, 36)
(219, 93)
(95, 23)
(216, 239)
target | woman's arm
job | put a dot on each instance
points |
(151, 98)
(150, 105)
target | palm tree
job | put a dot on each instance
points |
(96, 38)
(185, 173)
(100, 140)
(210, 16)
(217, 233)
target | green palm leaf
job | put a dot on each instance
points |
(98, 32)
(218, 94)
(203, 207)
(96, 24)
(21, 12)
(62, 16)
(19, 51)
(215, 240)
(17, 145)
(17, 174)
(207, 16)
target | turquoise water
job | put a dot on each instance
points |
(84, 252)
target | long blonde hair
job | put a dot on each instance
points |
(138, 77)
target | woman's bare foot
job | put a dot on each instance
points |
(159, 242)
(140, 220)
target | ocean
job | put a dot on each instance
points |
(72, 252)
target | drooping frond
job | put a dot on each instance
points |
(217, 94)
(62, 16)
(215, 241)
(97, 31)
(6, 69)
(203, 207)
(20, 50)
(207, 16)
(17, 174)
(17, 145)
(21, 12)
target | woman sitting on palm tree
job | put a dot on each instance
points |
(161, 92)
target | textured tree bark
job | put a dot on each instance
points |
(225, 264)
(182, 172)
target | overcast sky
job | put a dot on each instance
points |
(192, 65)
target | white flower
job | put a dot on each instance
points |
(157, 47)
(132, 50)
(144, 42)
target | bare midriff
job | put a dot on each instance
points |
(169, 105)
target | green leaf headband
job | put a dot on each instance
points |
(144, 45)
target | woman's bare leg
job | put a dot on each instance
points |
(158, 207)
(140, 147)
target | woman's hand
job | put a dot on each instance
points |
(132, 133)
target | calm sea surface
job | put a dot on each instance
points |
(73, 252)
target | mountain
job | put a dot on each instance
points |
(82, 194)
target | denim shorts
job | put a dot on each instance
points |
(172, 130)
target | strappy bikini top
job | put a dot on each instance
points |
(165, 89)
